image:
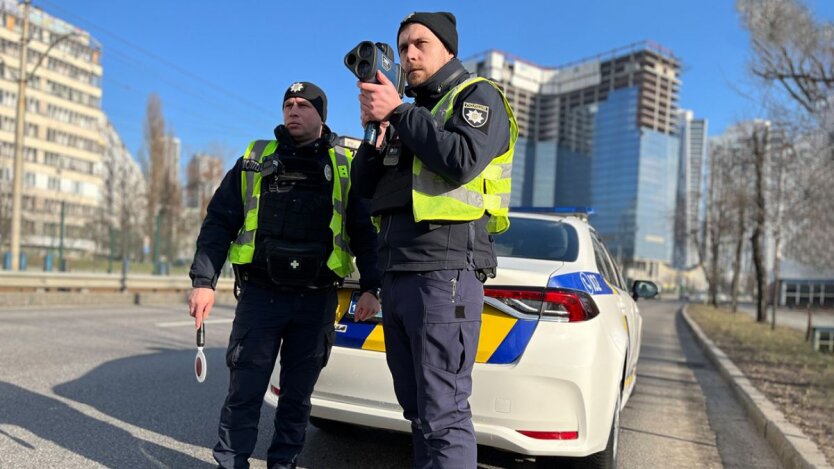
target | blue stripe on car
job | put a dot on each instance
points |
(589, 282)
(515, 343)
(355, 334)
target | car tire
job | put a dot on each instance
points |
(605, 459)
(330, 426)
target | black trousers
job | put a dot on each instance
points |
(432, 323)
(299, 326)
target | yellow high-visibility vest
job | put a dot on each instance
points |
(435, 198)
(243, 248)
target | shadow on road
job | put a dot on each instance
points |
(157, 392)
(108, 445)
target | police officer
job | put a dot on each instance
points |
(440, 182)
(288, 217)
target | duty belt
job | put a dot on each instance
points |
(255, 276)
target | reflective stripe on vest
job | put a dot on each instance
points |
(243, 248)
(435, 198)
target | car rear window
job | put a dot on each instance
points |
(532, 238)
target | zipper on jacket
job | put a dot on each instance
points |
(387, 220)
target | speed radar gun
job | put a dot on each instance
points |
(363, 61)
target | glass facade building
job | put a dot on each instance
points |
(599, 133)
(690, 205)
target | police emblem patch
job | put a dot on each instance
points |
(475, 115)
(328, 173)
(296, 87)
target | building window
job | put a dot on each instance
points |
(7, 124)
(8, 98)
(29, 179)
(54, 184)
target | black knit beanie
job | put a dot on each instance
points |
(310, 92)
(442, 24)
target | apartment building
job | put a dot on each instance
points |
(63, 145)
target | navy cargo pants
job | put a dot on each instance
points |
(300, 325)
(432, 321)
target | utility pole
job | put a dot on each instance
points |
(17, 185)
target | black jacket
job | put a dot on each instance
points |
(458, 150)
(224, 219)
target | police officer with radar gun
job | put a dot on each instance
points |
(289, 219)
(439, 179)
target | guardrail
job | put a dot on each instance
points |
(98, 282)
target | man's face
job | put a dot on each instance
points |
(421, 53)
(301, 120)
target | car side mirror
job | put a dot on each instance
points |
(644, 289)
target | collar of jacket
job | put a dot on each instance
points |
(430, 92)
(287, 145)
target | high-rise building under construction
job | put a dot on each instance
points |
(599, 133)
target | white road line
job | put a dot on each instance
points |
(191, 322)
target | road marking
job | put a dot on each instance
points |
(191, 322)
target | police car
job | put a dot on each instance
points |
(557, 357)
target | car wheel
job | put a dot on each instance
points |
(605, 459)
(330, 426)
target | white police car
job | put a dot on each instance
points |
(557, 357)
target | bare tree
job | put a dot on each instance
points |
(717, 220)
(791, 49)
(793, 61)
(741, 200)
(758, 142)
(164, 194)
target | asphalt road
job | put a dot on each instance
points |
(114, 387)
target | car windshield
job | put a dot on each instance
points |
(533, 238)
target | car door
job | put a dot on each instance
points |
(611, 275)
(633, 320)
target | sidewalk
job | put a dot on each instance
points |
(792, 445)
(796, 318)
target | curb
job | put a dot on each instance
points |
(792, 447)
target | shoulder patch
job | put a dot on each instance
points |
(475, 115)
(250, 165)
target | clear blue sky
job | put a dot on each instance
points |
(221, 68)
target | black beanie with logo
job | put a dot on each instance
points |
(443, 24)
(310, 92)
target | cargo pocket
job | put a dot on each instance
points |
(234, 349)
(451, 337)
(254, 349)
(329, 338)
